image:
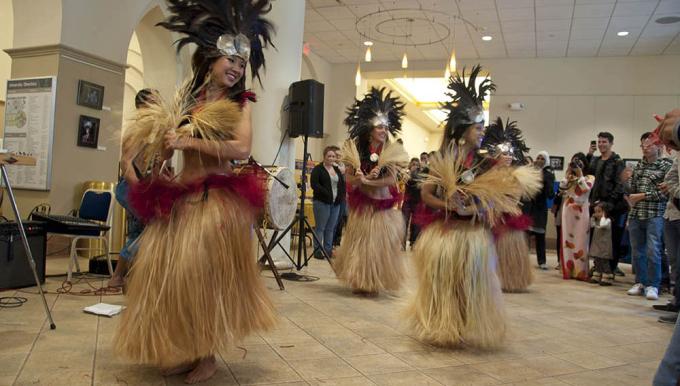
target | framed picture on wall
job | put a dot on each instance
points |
(631, 162)
(90, 95)
(557, 162)
(88, 131)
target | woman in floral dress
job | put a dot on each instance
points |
(575, 189)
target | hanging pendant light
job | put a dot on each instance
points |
(452, 61)
(357, 78)
(404, 61)
(447, 73)
(368, 45)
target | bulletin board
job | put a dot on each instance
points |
(29, 128)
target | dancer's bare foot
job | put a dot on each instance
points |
(367, 294)
(180, 369)
(116, 281)
(206, 368)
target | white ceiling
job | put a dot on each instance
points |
(520, 28)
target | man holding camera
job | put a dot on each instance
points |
(608, 188)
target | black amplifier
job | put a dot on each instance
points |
(15, 272)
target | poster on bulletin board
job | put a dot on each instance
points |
(29, 129)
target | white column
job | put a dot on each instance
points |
(283, 68)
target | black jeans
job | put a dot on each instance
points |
(558, 245)
(408, 210)
(540, 246)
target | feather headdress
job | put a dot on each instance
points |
(505, 139)
(375, 109)
(223, 27)
(466, 105)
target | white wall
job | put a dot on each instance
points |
(416, 138)
(6, 36)
(569, 100)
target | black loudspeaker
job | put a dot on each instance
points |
(15, 272)
(305, 109)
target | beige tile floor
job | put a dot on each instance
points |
(561, 333)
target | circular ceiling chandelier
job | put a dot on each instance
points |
(397, 26)
(410, 27)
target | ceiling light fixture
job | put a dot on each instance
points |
(404, 61)
(368, 43)
(487, 38)
(622, 33)
(367, 57)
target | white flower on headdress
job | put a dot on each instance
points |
(467, 177)
(374, 157)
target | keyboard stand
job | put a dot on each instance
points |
(24, 239)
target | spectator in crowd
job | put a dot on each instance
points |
(537, 208)
(328, 184)
(575, 188)
(343, 213)
(601, 247)
(671, 188)
(645, 220)
(423, 159)
(607, 168)
(411, 201)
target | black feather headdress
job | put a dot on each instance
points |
(376, 108)
(465, 107)
(508, 139)
(223, 27)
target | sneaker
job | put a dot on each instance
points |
(619, 272)
(543, 266)
(636, 290)
(651, 293)
(671, 319)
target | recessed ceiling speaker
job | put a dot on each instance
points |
(668, 20)
(517, 106)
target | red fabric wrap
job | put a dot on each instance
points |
(155, 198)
(358, 200)
(520, 222)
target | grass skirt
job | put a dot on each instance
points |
(370, 257)
(514, 266)
(458, 300)
(195, 285)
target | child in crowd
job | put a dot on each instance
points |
(601, 245)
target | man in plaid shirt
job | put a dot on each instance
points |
(645, 219)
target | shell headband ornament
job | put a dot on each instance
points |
(230, 45)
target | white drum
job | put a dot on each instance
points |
(280, 203)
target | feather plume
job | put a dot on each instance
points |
(214, 121)
(393, 157)
(490, 194)
(529, 179)
(350, 154)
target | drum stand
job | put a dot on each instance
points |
(24, 239)
(303, 227)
